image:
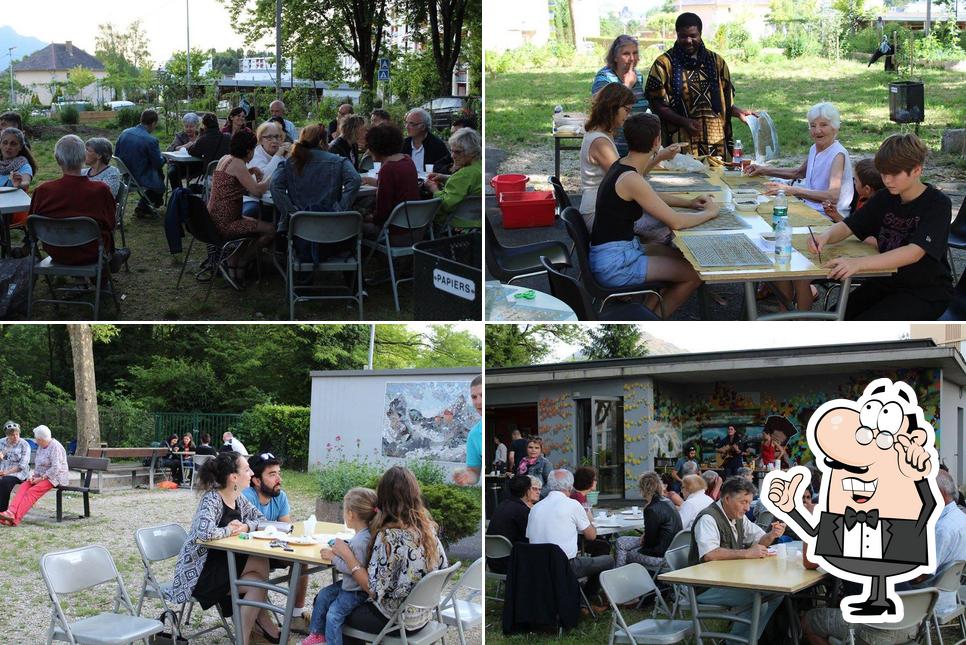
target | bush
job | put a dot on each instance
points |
(427, 471)
(457, 510)
(128, 118)
(336, 478)
(69, 115)
(798, 43)
(280, 429)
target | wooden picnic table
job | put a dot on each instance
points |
(306, 556)
(154, 453)
(783, 574)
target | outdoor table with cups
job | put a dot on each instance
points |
(623, 520)
(301, 548)
(12, 200)
(782, 573)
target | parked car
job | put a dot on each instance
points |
(117, 106)
(445, 109)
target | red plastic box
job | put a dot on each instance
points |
(527, 210)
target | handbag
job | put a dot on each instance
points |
(169, 638)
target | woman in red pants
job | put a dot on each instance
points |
(50, 470)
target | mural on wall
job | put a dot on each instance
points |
(555, 419)
(428, 420)
(641, 442)
(697, 417)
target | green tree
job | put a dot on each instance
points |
(177, 66)
(615, 341)
(444, 24)
(351, 27)
(226, 63)
(77, 79)
(516, 345)
(126, 57)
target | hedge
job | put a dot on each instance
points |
(280, 429)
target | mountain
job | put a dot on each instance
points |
(25, 45)
(656, 346)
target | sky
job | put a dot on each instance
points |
(720, 336)
(163, 22)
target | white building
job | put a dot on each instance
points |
(43, 69)
(513, 23)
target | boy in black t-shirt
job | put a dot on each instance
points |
(910, 220)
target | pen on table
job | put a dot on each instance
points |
(815, 242)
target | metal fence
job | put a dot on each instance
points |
(182, 423)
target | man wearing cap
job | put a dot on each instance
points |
(14, 461)
(265, 492)
(50, 471)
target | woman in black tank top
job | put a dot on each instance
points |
(623, 198)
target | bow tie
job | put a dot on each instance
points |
(852, 516)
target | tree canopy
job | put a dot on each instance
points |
(516, 345)
(213, 368)
(615, 341)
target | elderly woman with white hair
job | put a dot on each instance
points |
(191, 123)
(467, 148)
(422, 146)
(50, 470)
(97, 157)
(827, 173)
(61, 198)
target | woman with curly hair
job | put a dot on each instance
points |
(403, 549)
(661, 524)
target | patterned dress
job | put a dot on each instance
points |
(696, 87)
(398, 562)
(225, 206)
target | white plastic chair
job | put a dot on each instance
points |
(67, 572)
(497, 547)
(157, 544)
(627, 583)
(464, 613)
(425, 595)
(948, 580)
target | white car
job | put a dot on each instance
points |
(117, 106)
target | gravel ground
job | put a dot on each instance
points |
(115, 516)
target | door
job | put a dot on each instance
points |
(607, 444)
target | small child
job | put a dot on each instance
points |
(911, 221)
(334, 603)
(867, 182)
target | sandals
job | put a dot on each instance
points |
(265, 634)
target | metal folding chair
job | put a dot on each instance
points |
(324, 228)
(68, 232)
(624, 585)
(74, 570)
(464, 613)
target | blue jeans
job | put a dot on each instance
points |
(332, 607)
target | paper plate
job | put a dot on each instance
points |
(8, 189)
(268, 535)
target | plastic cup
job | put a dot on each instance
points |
(429, 168)
(376, 165)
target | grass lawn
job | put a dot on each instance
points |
(519, 105)
(149, 291)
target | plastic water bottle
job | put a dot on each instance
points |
(558, 109)
(783, 232)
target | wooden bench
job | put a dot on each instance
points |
(155, 454)
(86, 466)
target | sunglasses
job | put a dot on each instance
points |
(267, 455)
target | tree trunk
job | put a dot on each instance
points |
(85, 389)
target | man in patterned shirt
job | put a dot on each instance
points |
(689, 88)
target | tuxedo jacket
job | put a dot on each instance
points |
(902, 540)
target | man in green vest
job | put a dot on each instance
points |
(722, 531)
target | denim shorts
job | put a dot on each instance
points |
(618, 264)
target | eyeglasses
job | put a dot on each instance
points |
(267, 455)
(413, 123)
(273, 137)
(456, 151)
(883, 439)
(536, 488)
